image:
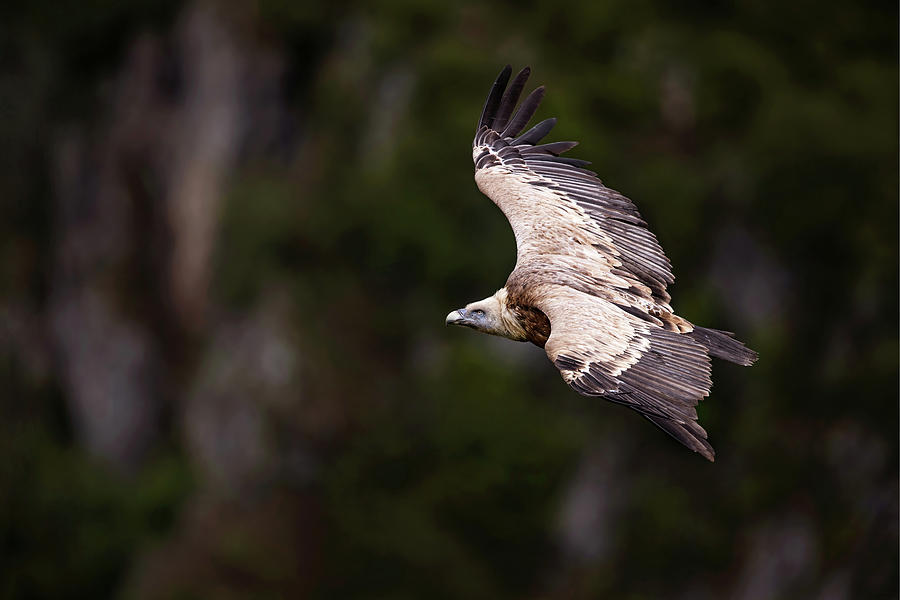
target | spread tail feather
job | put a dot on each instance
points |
(721, 344)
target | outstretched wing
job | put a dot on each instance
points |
(557, 207)
(602, 350)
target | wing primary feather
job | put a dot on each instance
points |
(690, 434)
(510, 97)
(554, 148)
(524, 114)
(575, 162)
(553, 163)
(493, 99)
(536, 133)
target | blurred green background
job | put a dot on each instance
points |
(229, 234)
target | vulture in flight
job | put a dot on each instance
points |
(589, 285)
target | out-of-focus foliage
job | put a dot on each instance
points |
(229, 235)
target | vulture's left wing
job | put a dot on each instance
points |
(556, 206)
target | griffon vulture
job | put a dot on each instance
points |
(589, 285)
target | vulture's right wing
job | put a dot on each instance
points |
(601, 350)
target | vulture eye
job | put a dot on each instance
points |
(478, 312)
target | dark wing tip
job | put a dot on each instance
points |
(493, 100)
(536, 133)
(523, 115)
(509, 100)
(688, 433)
(553, 148)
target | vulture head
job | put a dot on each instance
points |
(490, 315)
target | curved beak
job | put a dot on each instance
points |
(457, 317)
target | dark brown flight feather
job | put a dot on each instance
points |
(509, 100)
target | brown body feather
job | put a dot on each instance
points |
(535, 323)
